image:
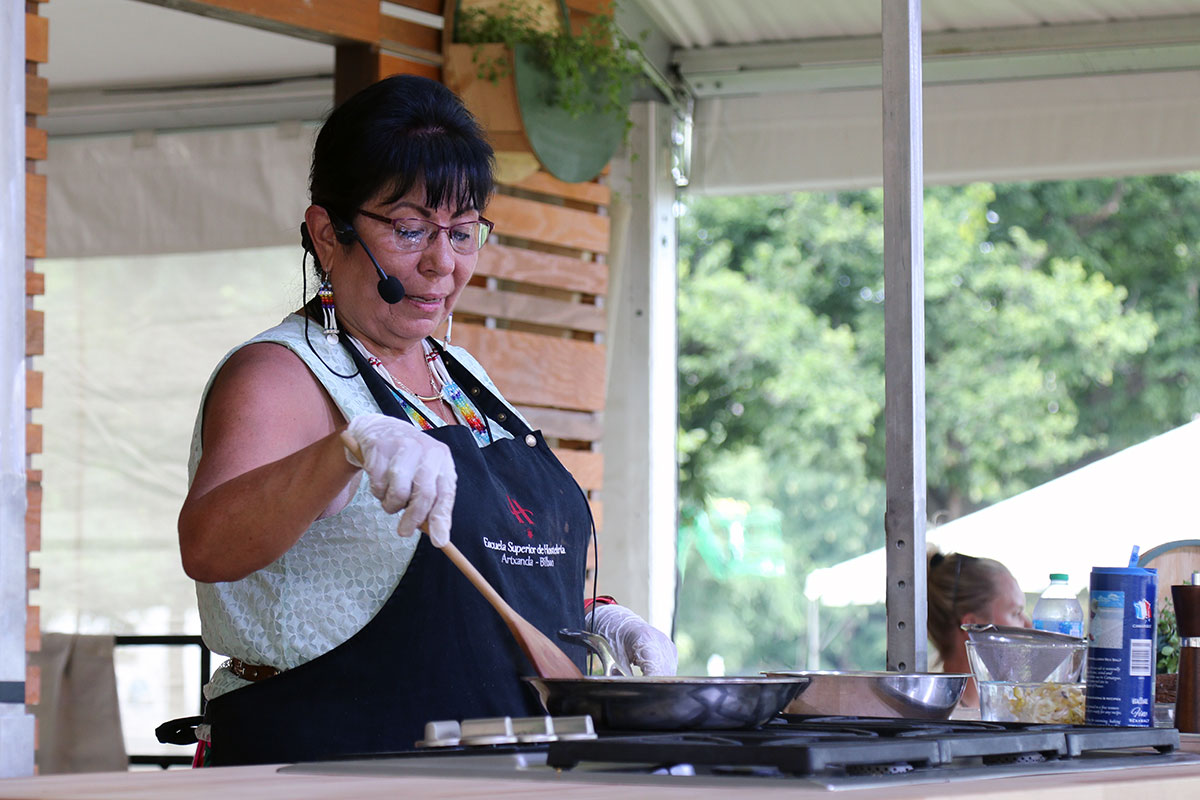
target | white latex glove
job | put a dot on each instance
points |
(645, 646)
(407, 470)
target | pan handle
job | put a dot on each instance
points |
(611, 663)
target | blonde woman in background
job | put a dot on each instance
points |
(961, 590)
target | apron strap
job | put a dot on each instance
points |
(484, 399)
(385, 398)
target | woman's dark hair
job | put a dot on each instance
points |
(957, 585)
(394, 134)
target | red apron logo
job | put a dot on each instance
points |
(522, 514)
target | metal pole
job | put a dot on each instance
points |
(904, 335)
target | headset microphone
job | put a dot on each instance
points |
(389, 286)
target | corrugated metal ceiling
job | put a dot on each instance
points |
(127, 41)
(704, 23)
(707, 48)
(132, 42)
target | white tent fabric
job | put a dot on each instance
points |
(1054, 129)
(1144, 495)
(133, 342)
(178, 192)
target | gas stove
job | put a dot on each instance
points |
(828, 752)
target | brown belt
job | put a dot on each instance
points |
(251, 672)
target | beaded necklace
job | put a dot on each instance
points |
(447, 391)
(451, 391)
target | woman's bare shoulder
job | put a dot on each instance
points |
(263, 368)
(263, 404)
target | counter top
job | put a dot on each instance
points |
(268, 783)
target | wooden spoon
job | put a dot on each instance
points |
(547, 658)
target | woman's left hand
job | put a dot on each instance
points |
(646, 647)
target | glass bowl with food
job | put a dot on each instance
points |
(1026, 675)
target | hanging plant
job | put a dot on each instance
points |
(590, 71)
(573, 89)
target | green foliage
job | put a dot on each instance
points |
(1015, 339)
(1168, 640)
(591, 68)
(1143, 234)
(742, 317)
(1037, 347)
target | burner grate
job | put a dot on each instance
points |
(879, 769)
(787, 754)
(856, 746)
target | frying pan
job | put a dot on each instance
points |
(668, 703)
(661, 702)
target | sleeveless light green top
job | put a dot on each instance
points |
(342, 569)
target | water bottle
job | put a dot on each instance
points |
(1057, 609)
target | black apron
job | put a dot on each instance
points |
(436, 650)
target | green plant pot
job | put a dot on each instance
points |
(573, 148)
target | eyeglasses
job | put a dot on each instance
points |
(414, 235)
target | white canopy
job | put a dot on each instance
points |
(1144, 495)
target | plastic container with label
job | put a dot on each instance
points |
(1057, 610)
(1121, 632)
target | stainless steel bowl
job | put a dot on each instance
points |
(912, 695)
(669, 703)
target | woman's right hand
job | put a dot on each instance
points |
(407, 470)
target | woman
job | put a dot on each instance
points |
(963, 590)
(347, 631)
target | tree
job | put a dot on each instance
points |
(781, 393)
(1014, 338)
(1142, 233)
(753, 354)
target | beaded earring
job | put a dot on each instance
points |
(325, 292)
(449, 325)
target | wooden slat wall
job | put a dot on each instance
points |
(37, 94)
(548, 223)
(543, 269)
(538, 370)
(497, 102)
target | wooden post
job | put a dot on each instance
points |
(358, 65)
(402, 46)
(904, 335)
(640, 461)
(22, 38)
